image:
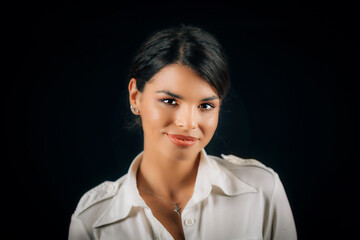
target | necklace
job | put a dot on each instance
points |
(176, 207)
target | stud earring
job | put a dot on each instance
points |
(134, 110)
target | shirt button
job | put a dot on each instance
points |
(189, 222)
(110, 188)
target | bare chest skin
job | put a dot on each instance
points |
(164, 213)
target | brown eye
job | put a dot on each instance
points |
(169, 101)
(206, 106)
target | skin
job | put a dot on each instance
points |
(175, 101)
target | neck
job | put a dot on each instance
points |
(170, 178)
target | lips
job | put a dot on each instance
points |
(181, 140)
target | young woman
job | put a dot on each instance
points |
(173, 189)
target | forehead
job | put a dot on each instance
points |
(180, 79)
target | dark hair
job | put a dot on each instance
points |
(186, 45)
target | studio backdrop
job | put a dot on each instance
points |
(290, 104)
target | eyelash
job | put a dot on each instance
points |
(208, 106)
(167, 100)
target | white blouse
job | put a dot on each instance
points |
(233, 198)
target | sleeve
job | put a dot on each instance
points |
(77, 230)
(280, 223)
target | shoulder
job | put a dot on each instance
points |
(99, 195)
(250, 171)
(233, 162)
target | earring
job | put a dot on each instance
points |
(134, 110)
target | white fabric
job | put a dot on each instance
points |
(233, 199)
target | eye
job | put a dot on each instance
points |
(169, 101)
(207, 106)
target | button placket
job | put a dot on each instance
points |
(189, 222)
(188, 218)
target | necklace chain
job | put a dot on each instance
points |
(176, 209)
(168, 201)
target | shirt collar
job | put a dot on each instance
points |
(210, 173)
(127, 197)
(213, 176)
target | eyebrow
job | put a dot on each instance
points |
(180, 97)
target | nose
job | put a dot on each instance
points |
(186, 117)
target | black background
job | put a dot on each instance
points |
(291, 104)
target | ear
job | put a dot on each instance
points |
(134, 94)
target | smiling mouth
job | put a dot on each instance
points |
(181, 140)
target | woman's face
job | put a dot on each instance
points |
(179, 111)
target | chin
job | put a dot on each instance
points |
(182, 154)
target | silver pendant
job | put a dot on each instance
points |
(177, 209)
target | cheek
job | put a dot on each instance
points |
(154, 116)
(209, 125)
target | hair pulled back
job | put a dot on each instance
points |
(187, 45)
